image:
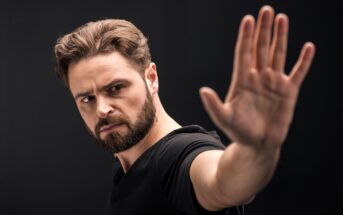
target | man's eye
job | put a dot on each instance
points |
(115, 89)
(87, 99)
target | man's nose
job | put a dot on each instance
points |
(104, 108)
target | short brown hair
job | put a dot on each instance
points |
(101, 37)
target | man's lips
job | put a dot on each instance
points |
(109, 127)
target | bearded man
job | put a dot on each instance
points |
(160, 166)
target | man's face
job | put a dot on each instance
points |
(113, 100)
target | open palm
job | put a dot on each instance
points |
(259, 106)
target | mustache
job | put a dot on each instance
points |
(109, 120)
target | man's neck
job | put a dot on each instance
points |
(163, 125)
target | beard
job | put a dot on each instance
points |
(115, 141)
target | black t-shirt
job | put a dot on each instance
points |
(159, 181)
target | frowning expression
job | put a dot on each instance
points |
(113, 100)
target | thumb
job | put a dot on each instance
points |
(212, 104)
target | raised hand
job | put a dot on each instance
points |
(259, 106)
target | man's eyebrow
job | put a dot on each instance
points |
(112, 83)
(103, 88)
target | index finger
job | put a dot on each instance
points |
(243, 50)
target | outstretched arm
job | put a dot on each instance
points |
(256, 113)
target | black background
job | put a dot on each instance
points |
(50, 165)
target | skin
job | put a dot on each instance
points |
(94, 84)
(255, 114)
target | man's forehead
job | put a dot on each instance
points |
(100, 70)
(114, 61)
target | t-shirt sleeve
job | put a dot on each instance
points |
(174, 164)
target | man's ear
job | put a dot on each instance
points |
(151, 78)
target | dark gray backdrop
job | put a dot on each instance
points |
(50, 165)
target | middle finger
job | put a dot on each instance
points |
(262, 38)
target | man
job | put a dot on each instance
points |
(162, 167)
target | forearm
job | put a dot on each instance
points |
(243, 171)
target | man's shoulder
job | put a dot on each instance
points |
(190, 134)
(187, 140)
